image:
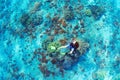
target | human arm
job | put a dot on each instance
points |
(63, 47)
(71, 51)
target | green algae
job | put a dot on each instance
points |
(88, 12)
(52, 47)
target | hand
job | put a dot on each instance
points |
(58, 48)
(70, 52)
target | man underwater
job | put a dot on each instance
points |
(72, 46)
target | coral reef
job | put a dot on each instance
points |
(32, 32)
(24, 18)
(68, 13)
(97, 11)
(83, 46)
(88, 12)
(52, 47)
(35, 7)
(62, 58)
(100, 75)
(31, 20)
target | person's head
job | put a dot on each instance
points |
(74, 40)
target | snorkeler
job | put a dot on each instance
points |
(72, 46)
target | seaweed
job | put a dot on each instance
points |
(52, 47)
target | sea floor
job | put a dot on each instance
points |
(32, 30)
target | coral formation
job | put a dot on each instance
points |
(68, 13)
(52, 47)
(63, 41)
(88, 12)
(31, 20)
(63, 59)
(25, 19)
(97, 11)
(99, 75)
(63, 22)
(35, 7)
(32, 32)
(83, 46)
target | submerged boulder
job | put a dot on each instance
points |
(25, 19)
(35, 7)
(99, 75)
(97, 11)
(61, 58)
(83, 46)
(67, 63)
(31, 20)
(68, 14)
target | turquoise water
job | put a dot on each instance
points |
(28, 29)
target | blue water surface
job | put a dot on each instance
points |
(27, 27)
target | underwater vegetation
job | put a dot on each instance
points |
(32, 32)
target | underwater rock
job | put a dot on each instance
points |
(44, 70)
(79, 8)
(55, 20)
(99, 75)
(70, 60)
(82, 23)
(88, 12)
(56, 31)
(76, 55)
(82, 30)
(97, 11)
(61, 31)
(44, 60)
(54, 61)
(116, 63)
(83, 47)
(63, 22)
(37, 19)
(63, 41)
(76, 27)
(24, 19)
(48, 0)
(35, 7)
(31, 20)
(68, 14)
(62, 71)
(67, 64)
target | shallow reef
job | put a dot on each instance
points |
(31, 32)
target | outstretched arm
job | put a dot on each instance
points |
(63, 47)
